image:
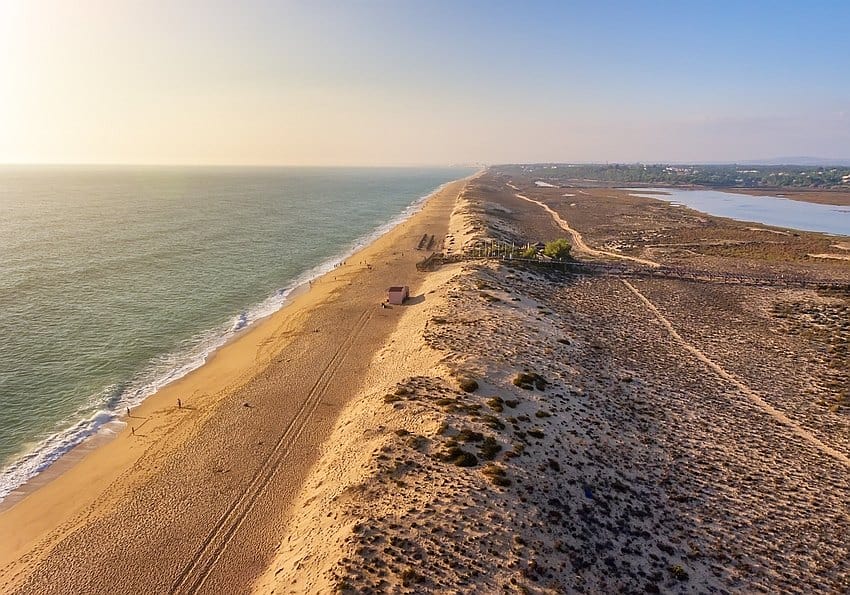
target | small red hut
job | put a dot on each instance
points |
(397, 295)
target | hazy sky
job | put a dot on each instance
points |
(400, 82)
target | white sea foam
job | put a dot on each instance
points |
(241, 321)
(50, 450)
(109, 408)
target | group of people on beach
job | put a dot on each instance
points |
(129, 416)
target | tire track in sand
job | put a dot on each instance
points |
(746, 390)
(199, 567)
(578, 241)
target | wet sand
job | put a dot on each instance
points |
(631, 436)
(514, 429)
(193, 499)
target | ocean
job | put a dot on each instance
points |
(115, 281)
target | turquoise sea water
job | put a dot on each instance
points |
(114, 281)
(769, 210)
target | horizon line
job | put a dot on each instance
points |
(825, 162)
(232, 165)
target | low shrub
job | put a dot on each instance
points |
(459, 457)
(467, 435)
(558, 249)
(493, 422)
(409, 576)
(496, 404)
(679, 573)
(530, 381)
(489, 448)
(497, 475)
(417, 442)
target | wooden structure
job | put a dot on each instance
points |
(397, 294)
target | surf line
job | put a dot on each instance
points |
(746, 390)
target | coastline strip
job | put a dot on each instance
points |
(202, 562)
(51, 455)
(179, 487)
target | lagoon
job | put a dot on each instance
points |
(768, 210)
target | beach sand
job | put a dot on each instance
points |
(194, 499)
(513, 429)
(667, 437)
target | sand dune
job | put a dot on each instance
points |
(511, 429)
(599, 452)
(207, 487)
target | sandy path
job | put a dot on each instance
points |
(632, 470)
(741, 386)
(578, 242)
(197, 499)
(830, 256)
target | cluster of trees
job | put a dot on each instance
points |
(556, 250)
(749, 176)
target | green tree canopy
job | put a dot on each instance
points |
(558, 249)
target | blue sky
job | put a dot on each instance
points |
(395, 82)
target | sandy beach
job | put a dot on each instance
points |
(514, 428)
(206, 486)
(412, 298)
(657, 436)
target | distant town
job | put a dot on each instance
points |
(740, 176)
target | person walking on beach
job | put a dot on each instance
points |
(132, 430)
(179, 404)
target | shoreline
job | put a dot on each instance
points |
(94, 432)
(35, 517)
(507, 430)
(579, 459)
